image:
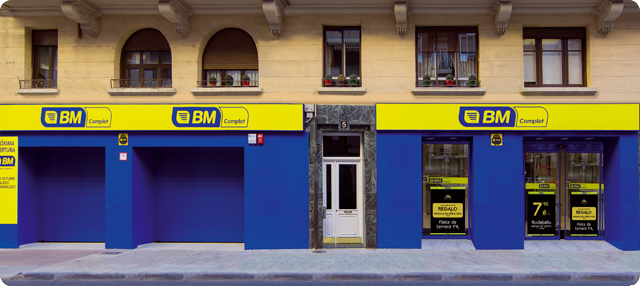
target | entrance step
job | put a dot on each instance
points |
(447, 244)
(567, 245)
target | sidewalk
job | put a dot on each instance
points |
(439, 260)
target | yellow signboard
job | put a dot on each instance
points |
(540, 186)
(584, 213)
(447, 210)
(448, 180)
(8, 180)
(282, 117)
(537, 117)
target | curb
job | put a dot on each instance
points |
(630, 277)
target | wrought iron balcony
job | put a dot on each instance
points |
(336, 83)
(141, 83)
(38, 83)
(227, 83)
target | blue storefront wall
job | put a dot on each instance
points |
(496, 187)
(276, 185)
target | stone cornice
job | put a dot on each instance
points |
(274, 12)
(503, 10)
(608, 12)
(177, 13)
(83, 12)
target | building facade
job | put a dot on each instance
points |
(315, 124)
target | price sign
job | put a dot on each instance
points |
(541, 213)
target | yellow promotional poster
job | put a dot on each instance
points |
(447, 210)
(584, 213)
(281, 117)
(539, 117)
(8, 180)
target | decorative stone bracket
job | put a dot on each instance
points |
(84, 13)
(608, 12)
(503, 10)
(177, 13)
(400, 9)
(274, 11)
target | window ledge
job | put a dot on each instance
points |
(227, 91)
(37, 91)
(342, 90)
(142, 91)
(559, 90)
(448, 90)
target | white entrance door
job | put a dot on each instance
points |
(343, 200)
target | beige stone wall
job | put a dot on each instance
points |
(291, 64)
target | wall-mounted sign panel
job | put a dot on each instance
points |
(538, 117)
(281, 117)
(8, 180)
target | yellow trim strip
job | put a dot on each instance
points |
(448, 233)
(540, 186)
(448, 188)
(541, 193)
(541, 235)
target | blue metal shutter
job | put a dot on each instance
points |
(198, 194)
(71, 194)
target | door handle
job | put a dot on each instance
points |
(324, 212)
(348, 212)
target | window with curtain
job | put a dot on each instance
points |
(146, 60)
(442, 51)
(554, 57)
(230, 52)
(45, 58)
(342, 52)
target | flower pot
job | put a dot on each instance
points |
(472, 83)
(211, 83)
(354, 83)
(426, 83)
(449, 82)
(327, 82)
(229, 83)
(246, 82)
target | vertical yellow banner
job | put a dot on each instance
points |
(8, 180)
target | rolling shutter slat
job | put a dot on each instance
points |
(230, 49)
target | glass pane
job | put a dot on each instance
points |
(55, 58)
(213, 77)
(552, 67)
(467, 60)
(348, 193)
(542, 187)
(237, 78)
(166, 77)
(166, 57)
(133, 58)
(133, 73)
(333, 53)
(253, 75)
(151, 74)
(341, 146)
(575, 44)
(583, 189)
(352, 52)
(575, 67)
(445, 189)
(150, 57)
(446, 58)
(426, 57)
(529, 45)
(328, 183)
(551, 45)
(43, 63)
(530, 67)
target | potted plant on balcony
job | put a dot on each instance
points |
(342, 80)
(354, 80)
(426, 79)
(449, 80)
(473, 80)
(229, 80)
(246, 80)
(212, 81)
(327, 80)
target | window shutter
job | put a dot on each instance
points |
(554, 33)
(147, 40)
(230, 49)
(45, 37)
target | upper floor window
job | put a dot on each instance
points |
(230, 59)
(554, 57)
(146, 60)
(45, 59)
(342, 56)
(446, 56)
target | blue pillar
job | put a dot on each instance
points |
(118, 198)
(621, 192)
(497, 186)
(142, 196)
(399, 190)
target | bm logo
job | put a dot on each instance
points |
(544, 186)
(7, 161)
(474, 116)
(63, 117)
(196, 117)
(574, 186)
(434, 180)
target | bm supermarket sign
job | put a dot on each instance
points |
(285, 117)
(508, 117)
